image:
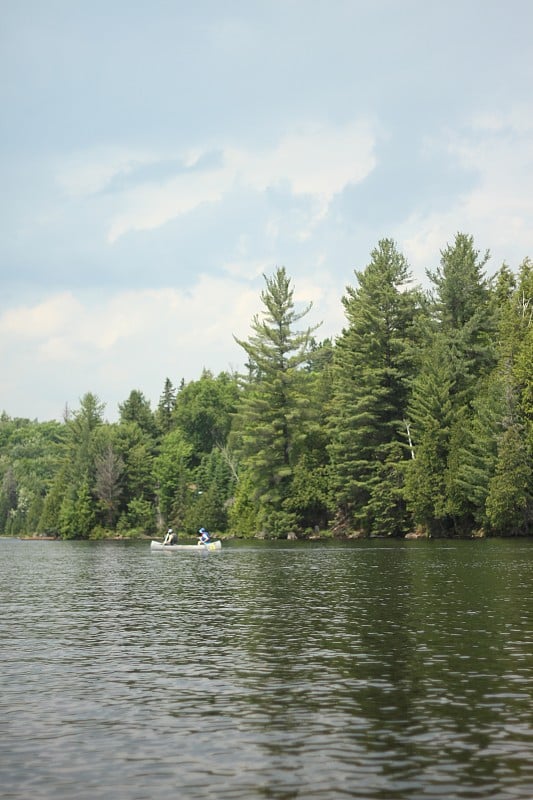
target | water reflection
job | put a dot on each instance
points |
(374, 670)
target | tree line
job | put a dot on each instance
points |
(417, 418)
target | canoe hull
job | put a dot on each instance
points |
(198, 548)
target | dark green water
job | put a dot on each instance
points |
(378, 670)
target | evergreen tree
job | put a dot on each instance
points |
(457, 361)
(509, 504)
(214, 485)
(77, 514)
(522, 348)
(309, 499)
(137, 409)
(8, 499)
(28, 461)
(373, 366)
(174, 475)
(137, 451)
(509, 500)
(271, 425)
(165, 408)
(464, 313)
(78, 473)
(243, 510)
(430, 415)
(473, 454)
(50, 515)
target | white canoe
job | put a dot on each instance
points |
(197, 547)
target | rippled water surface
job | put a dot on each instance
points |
(379, 670)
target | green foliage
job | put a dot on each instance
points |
(387, 511)
(213, 486)
(77, 514)
(136, 450)
(50, 515)
(420, 415)
(473, 453)
(203, 411)
(461, 289)
(430, 414)
(464, 313)
(174, 477)
(242, 513)
(165, 409)
(520, 323)
(139, 515)
(308, 500)
(29, 459)
(448, 472)
(137, 409)
(509, 503)
(276, 523)
(373, 367)
(271, 426)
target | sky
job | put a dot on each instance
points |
(159, 158)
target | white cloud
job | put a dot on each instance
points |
(44, 319)
(61, 323)
(71, 344)
(89, 172)
(498, 210)
(148, 207)
(316, 160)
(247, 268)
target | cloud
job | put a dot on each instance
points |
(161, 170)
(497, 209)
(317, 161)
(44, 319)
(72, 343)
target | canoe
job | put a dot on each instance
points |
(175, 547)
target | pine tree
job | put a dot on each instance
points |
(456, 362)
(522, 363)
(430, 415)
(174, 478)
(509, 502)
(464, 314)
(76, 476)
(373, 365)
(473, 455)
(165, 408)
(137, 409)
(271, 425)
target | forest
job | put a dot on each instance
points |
(416, 420)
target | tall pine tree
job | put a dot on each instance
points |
(373, 366)
(460, 343)
(270, 428)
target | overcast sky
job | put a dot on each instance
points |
(158, 157)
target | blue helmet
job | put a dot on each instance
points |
(202, 530)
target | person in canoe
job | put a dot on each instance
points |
(171, 537)
(203, 536)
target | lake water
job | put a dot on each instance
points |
(378, 670)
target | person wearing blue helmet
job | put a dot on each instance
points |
(203, 536)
